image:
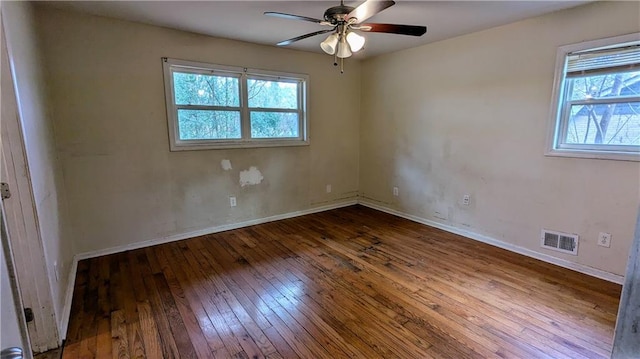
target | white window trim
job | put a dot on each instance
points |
(246, 141)
(555, 122)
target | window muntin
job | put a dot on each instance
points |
(597, 106)
(212, 106)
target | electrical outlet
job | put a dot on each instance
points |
(232, 201)
(604, 239)
(466, 199)
(395, 191)
(328, 188)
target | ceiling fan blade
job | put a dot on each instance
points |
(290, 41)
(367, 9)
(411, 30)
(293, 17)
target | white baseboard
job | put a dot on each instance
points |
(594, 272)
(226, 227)
(66, 311)
(211, 230)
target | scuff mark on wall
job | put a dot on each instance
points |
(250, 177)
(226, 165)
(440, 211)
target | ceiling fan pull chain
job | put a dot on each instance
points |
(341, 65)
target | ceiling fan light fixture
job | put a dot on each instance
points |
(344, 22)
(356, 41)
(330, 43)
(344, 50)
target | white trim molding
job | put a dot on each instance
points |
(243, 76)
(594, 272)
(344, 203)
(68, 297)
(558, 116)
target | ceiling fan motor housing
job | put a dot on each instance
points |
(337, 14)
(344, 20)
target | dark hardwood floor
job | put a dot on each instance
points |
(352, 282)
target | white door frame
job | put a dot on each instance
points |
(21, 217)
(16, 323)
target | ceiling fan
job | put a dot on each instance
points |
(344, 21)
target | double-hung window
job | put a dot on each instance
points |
(213, 106)
(596, 111)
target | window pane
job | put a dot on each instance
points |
(208, 125)
(272, 94)
(274, 124)
(605, 86)
(209, 90)
(607, 124)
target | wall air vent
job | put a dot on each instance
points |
(558, 241)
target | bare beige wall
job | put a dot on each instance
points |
(470, 115)
(40, 146)
(124, 185)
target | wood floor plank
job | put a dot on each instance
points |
(352, 283)
(104, 347)
(103, 316)
(134, 332)
(149, 331)
(280, 314)
(167, 340)
(74, 332)
(197, 299)
(359, 323)
(289, 298)
(119, 337)
(298, 265)
(356, 281)
(256, 325)
(183, 307)
(88, 346)
(183, 342)
(444, 274)
(454, 325)
(244, 344)
(216, 307)
(347, 275)
(224, 257)
(283, 349)
(293, 297)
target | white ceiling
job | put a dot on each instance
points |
(244, 20)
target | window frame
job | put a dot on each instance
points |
(171, 65)
(561, 108)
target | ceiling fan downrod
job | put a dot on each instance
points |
(344, 20)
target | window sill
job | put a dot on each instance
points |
(591, 154)
(234, 145)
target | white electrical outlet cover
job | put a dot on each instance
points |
(466, 199)
(604, 239)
